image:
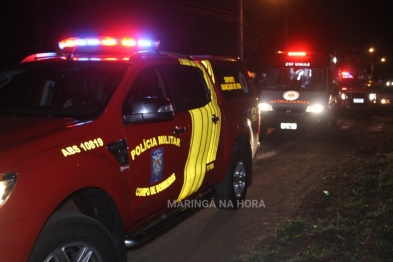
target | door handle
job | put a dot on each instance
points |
(179, 130)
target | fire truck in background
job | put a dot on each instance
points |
(353, 95)
(299, 92)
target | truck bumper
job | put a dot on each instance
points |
(306, 120)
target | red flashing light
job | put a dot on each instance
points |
(108, 42)
(296, 53)
(128, 42)
(346, 75)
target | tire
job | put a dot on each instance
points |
(69, 236)
(233, 189)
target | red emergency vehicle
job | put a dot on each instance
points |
(355, 96)
(298, 92)
(103, 140)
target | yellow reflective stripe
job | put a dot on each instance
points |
(214, 131)
(205, 136)
(209, 69)
(215, 110)
(187, 62)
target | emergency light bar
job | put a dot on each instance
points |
(296, 53)
(39, 56)
(346, 75)
(107, 41)
(101, 59)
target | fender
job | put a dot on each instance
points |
(88, 170)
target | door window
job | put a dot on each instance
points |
(150, 83)
(190, 87)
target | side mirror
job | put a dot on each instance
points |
(148, 109)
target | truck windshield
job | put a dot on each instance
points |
(60, 89)
(296, 78)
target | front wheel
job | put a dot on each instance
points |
(233, 189)
(73, 237)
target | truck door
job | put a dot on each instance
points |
(197, 97)
(158, 151)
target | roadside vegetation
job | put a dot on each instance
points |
(349, 217)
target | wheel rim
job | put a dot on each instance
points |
(239, 179)
(74, 252)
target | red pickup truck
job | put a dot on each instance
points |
(102, 143)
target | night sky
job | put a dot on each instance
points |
(348, 27)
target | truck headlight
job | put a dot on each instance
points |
(265, 107)
(372, 96)
(316, 108)
(7, 184)
(385, 101)
(343, 96)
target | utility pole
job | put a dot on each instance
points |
(240, 40)
(286, 29)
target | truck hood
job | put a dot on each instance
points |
(23, 136)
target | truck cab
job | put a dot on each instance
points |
(298, 92)
(108, 142)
